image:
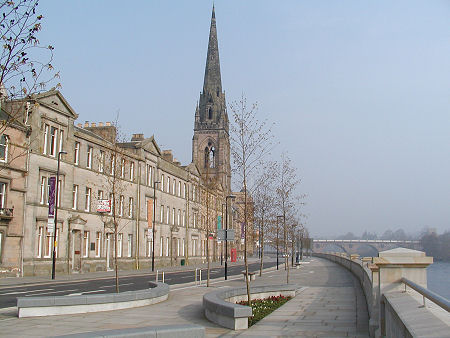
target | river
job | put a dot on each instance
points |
(438, 275)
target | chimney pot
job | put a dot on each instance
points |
(80, 125)
(100, 124)
(108, 124)
(93, 124)
(86, 123)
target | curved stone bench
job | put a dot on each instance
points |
(220, 307)
(61, 305)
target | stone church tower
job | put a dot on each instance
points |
(211, 141)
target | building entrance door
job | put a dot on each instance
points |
(76, 250)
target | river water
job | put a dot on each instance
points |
(438, 275)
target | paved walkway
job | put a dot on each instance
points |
(328, 305)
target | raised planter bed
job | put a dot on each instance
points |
(264, 307)
(60, 305)
(221, 308)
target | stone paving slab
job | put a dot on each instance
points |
(326, 307)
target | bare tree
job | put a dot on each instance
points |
(297, 234)
(25, 65)
(112, 176)
(264, 202)
(210, 195)
(250, 142)
(303, 235)
(25, 70)
(286, 199)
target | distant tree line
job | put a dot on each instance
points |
(437, 246)
(388, 235)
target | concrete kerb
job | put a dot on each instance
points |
(58, 305)
(182, 331)
(220, 306)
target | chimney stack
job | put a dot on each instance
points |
(137, 137)
(167, 155)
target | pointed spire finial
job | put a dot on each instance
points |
(212, 82)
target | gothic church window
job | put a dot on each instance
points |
(206, 157)
(210, 113)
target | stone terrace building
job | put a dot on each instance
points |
(14, 141)
(85, 241)
(84, 236)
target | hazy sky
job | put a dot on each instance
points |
(359, 91)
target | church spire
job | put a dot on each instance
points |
(211, 141)
(213, 81)
(212, 106)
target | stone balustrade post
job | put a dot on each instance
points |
(401, 262)
(374, 321)
(388, 269)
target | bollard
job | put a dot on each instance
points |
(156, 280)
(200, 282)
(163, 276)
(196, 276)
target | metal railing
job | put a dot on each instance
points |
(434, 297)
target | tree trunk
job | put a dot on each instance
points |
(292, 249)
(247, 280)
(207, 233)
(115, 256)
(301, 248)
(261, 247)
(207, 260)
(286, 258)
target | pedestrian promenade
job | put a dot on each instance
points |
(330, 304)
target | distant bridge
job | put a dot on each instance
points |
(354, 245)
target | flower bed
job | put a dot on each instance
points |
(263, 307)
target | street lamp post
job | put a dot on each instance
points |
(277, 238)
(56, 215)
(226, 233)
(221, 244)
(153, 227)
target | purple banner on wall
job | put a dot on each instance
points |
(51, 196)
